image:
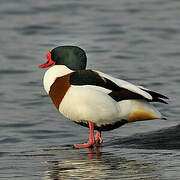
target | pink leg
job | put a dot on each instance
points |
(98, 138)
(91, 141)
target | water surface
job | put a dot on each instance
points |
(133, 40)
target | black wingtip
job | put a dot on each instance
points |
(164, 118)
(164, 97)
(159, 95)
(155, 94)
(162, 101)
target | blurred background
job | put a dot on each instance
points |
(135, 40)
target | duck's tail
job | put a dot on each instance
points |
(138, 110)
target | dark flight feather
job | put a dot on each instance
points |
(157, 97)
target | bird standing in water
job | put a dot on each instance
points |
(94, 99)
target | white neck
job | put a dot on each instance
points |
(52, 73)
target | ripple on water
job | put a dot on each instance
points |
(9, 140)
(35, 29)
(31, 83)
(19, 57)
(18, 125)
(13, 71)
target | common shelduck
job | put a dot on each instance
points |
(94, 99)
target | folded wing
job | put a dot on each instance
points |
(115, 88)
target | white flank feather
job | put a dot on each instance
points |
(82, 103)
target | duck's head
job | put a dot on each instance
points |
(71, 56)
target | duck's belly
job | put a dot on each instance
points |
(106, 127)
(83, 105)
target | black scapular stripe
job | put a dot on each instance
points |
(89, 77)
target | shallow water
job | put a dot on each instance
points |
(134, 40)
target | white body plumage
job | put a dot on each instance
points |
(88, 103)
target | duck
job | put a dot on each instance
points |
(92, 98)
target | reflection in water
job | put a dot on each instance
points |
(96, 164)
(99, 163)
